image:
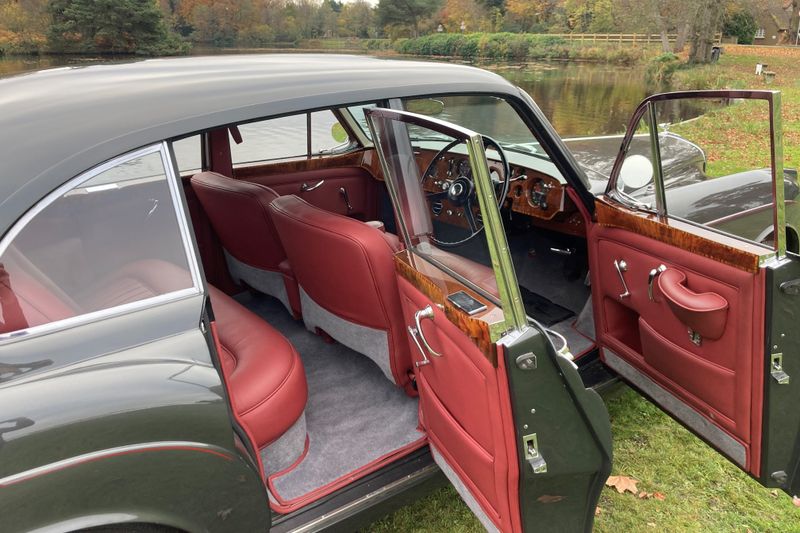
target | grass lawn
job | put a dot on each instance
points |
(703, 491)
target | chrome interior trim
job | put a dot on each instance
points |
(658, 171)
(729, 446)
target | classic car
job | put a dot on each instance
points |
(292, 292)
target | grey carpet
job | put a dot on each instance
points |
(578, 344)
(354, 414)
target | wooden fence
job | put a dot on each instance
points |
(623, 38)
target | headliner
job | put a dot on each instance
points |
(57, 123)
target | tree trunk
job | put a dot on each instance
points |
(704, 28)
(680, 40)
(662, 29)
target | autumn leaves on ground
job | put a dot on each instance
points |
(665, 478)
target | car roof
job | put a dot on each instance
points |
(57, 123)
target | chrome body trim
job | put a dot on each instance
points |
(85, 318)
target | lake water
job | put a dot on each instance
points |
(578, 98)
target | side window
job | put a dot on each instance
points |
(294, 136)
(189, 155)
(709, 176)
(113, 239)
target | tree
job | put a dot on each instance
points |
(739, 23)
(706, 22)
(471, 13)
(406, 13)
(357, 19)
(110, 26)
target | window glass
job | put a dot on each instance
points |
(358, 114)
(188, 153)
(112, 240)
(327, 135)
(711, 176)
(276, 138)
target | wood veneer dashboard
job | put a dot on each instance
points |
(538, 196)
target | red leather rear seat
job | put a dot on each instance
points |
(265, 375)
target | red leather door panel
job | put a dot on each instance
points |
(461, 408)
(357, 182)
(696, 337)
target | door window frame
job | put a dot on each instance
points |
(647, 107)
(514, 316)
(183, 226)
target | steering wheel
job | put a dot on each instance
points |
(459, 188)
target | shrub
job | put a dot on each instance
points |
(661, 68)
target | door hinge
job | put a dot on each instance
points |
(776, 369)
(526, 361)
(531, 446)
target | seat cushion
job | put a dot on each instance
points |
(266, 379)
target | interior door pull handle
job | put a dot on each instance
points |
(651, 278)
(346, 199)
(425, 361)
(426, 312)
(305, 187)
(621, 267)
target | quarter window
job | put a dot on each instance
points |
(294, 136)
(112, 240)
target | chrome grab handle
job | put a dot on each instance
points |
(426, 312)
(621, 267)
(651, 278)
(346, 199)
(425, 360)
(305, 187)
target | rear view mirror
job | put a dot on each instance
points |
(636, 172)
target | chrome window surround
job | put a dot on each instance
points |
(773, 99)
(94, 316)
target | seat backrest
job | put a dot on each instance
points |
(345, 266)
(238, 211)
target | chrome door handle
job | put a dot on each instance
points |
(621, 267)
(305, 187)
(651, 278)
(346, 199)
(426, 312)
(425, 360)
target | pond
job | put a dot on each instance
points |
(578, 98)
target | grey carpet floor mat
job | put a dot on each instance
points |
(578, 343)
(354, 414)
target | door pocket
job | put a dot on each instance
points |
(711, 386)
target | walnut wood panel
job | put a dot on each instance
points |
(350, 159)
(694, 239)
(437, 285)
(521, 194)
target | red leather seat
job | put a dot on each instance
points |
(265, 375)
(346, 275)
(238, 211)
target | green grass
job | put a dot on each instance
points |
(704, 492)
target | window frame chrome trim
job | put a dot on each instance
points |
(118, 310)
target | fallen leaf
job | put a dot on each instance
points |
(651, 524)
(622, 484)
(796, 501)
(597, 511)
(774, 493)
(645, 495)
(659, 496)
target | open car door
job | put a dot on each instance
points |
(695, 296)
(508, 419)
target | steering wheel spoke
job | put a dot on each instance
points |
(461, 191)
(470, 216)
